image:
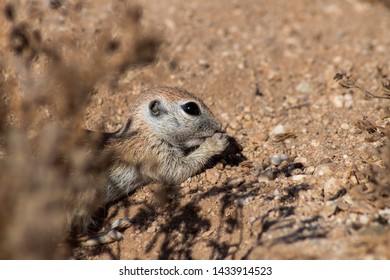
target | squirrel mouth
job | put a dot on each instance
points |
(193, 144)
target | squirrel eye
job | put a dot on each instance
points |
(191, 108)
(154, 107)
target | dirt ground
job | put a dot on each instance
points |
(302, 187)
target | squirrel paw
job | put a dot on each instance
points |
(218, 142)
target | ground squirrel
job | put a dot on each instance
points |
(170, 135)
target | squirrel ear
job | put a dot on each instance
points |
(154, 107)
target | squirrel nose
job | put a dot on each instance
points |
(218, 127)
(221, 129)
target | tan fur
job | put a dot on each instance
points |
(165, 149)
(170, 135)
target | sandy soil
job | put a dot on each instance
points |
(301, 187)
(266, 69)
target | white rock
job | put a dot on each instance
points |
(278, 159)
(279, 129)
(309, 170)
(343, 101)
(251, 219)
(364, 219)
(322, 169)
(203, 62)
(299, 177)
(348, 101)
(337, 59)
(315, 143)
(300, 159)
(332, 187)
(338, 101)
(263, 179)
(304, 87)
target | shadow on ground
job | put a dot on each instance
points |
(186, 224)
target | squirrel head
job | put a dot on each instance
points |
(175, 116)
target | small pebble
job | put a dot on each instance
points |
(277, 193)
(295, 171)
(236, 182)
(212, 176)
(310, 170)
(332, 187)
(338, 101)
(270, 173)
(304, 87)
(315, 143)
(252, 219)
(203, 63)
(247, 117)
(329, 209)
(219, 166)
(234, 125)
(336, 59)
(279, 129)
(242, 201)
(343, 101)
(364, 219)
(278, 159)
(298, 178)
(241, 65)
(263, 179)
(344, 126)
(151, 229)
(348, 101)
(300, 159)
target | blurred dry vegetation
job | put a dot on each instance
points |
(378, 178)
(54, 58)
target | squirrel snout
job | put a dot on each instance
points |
(221, 129)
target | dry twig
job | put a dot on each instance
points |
(346, 81)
